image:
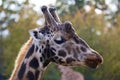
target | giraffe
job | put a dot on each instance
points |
(56, 42)
(69, 74)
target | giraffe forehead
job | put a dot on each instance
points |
(58, 31)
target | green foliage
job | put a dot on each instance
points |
(18, 36)
(52, 73)
(69, 6)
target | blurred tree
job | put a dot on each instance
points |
(105, 6)
(69, 6)
(18, 18)
(7, 14)
(8, 11)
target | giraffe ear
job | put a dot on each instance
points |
(34, 34)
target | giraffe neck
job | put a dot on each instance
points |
(33, 64)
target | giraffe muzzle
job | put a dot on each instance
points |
(93, 60)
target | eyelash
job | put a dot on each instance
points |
(60, 41)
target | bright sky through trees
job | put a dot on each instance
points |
(40, 3)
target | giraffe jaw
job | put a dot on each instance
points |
(86, 64)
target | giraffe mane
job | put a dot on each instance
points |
(20, 57)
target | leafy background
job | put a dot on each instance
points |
(101, 31)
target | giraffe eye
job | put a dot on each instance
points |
(59, 40)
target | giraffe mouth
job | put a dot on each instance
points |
(92, 64)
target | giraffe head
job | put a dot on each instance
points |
(63, 45)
